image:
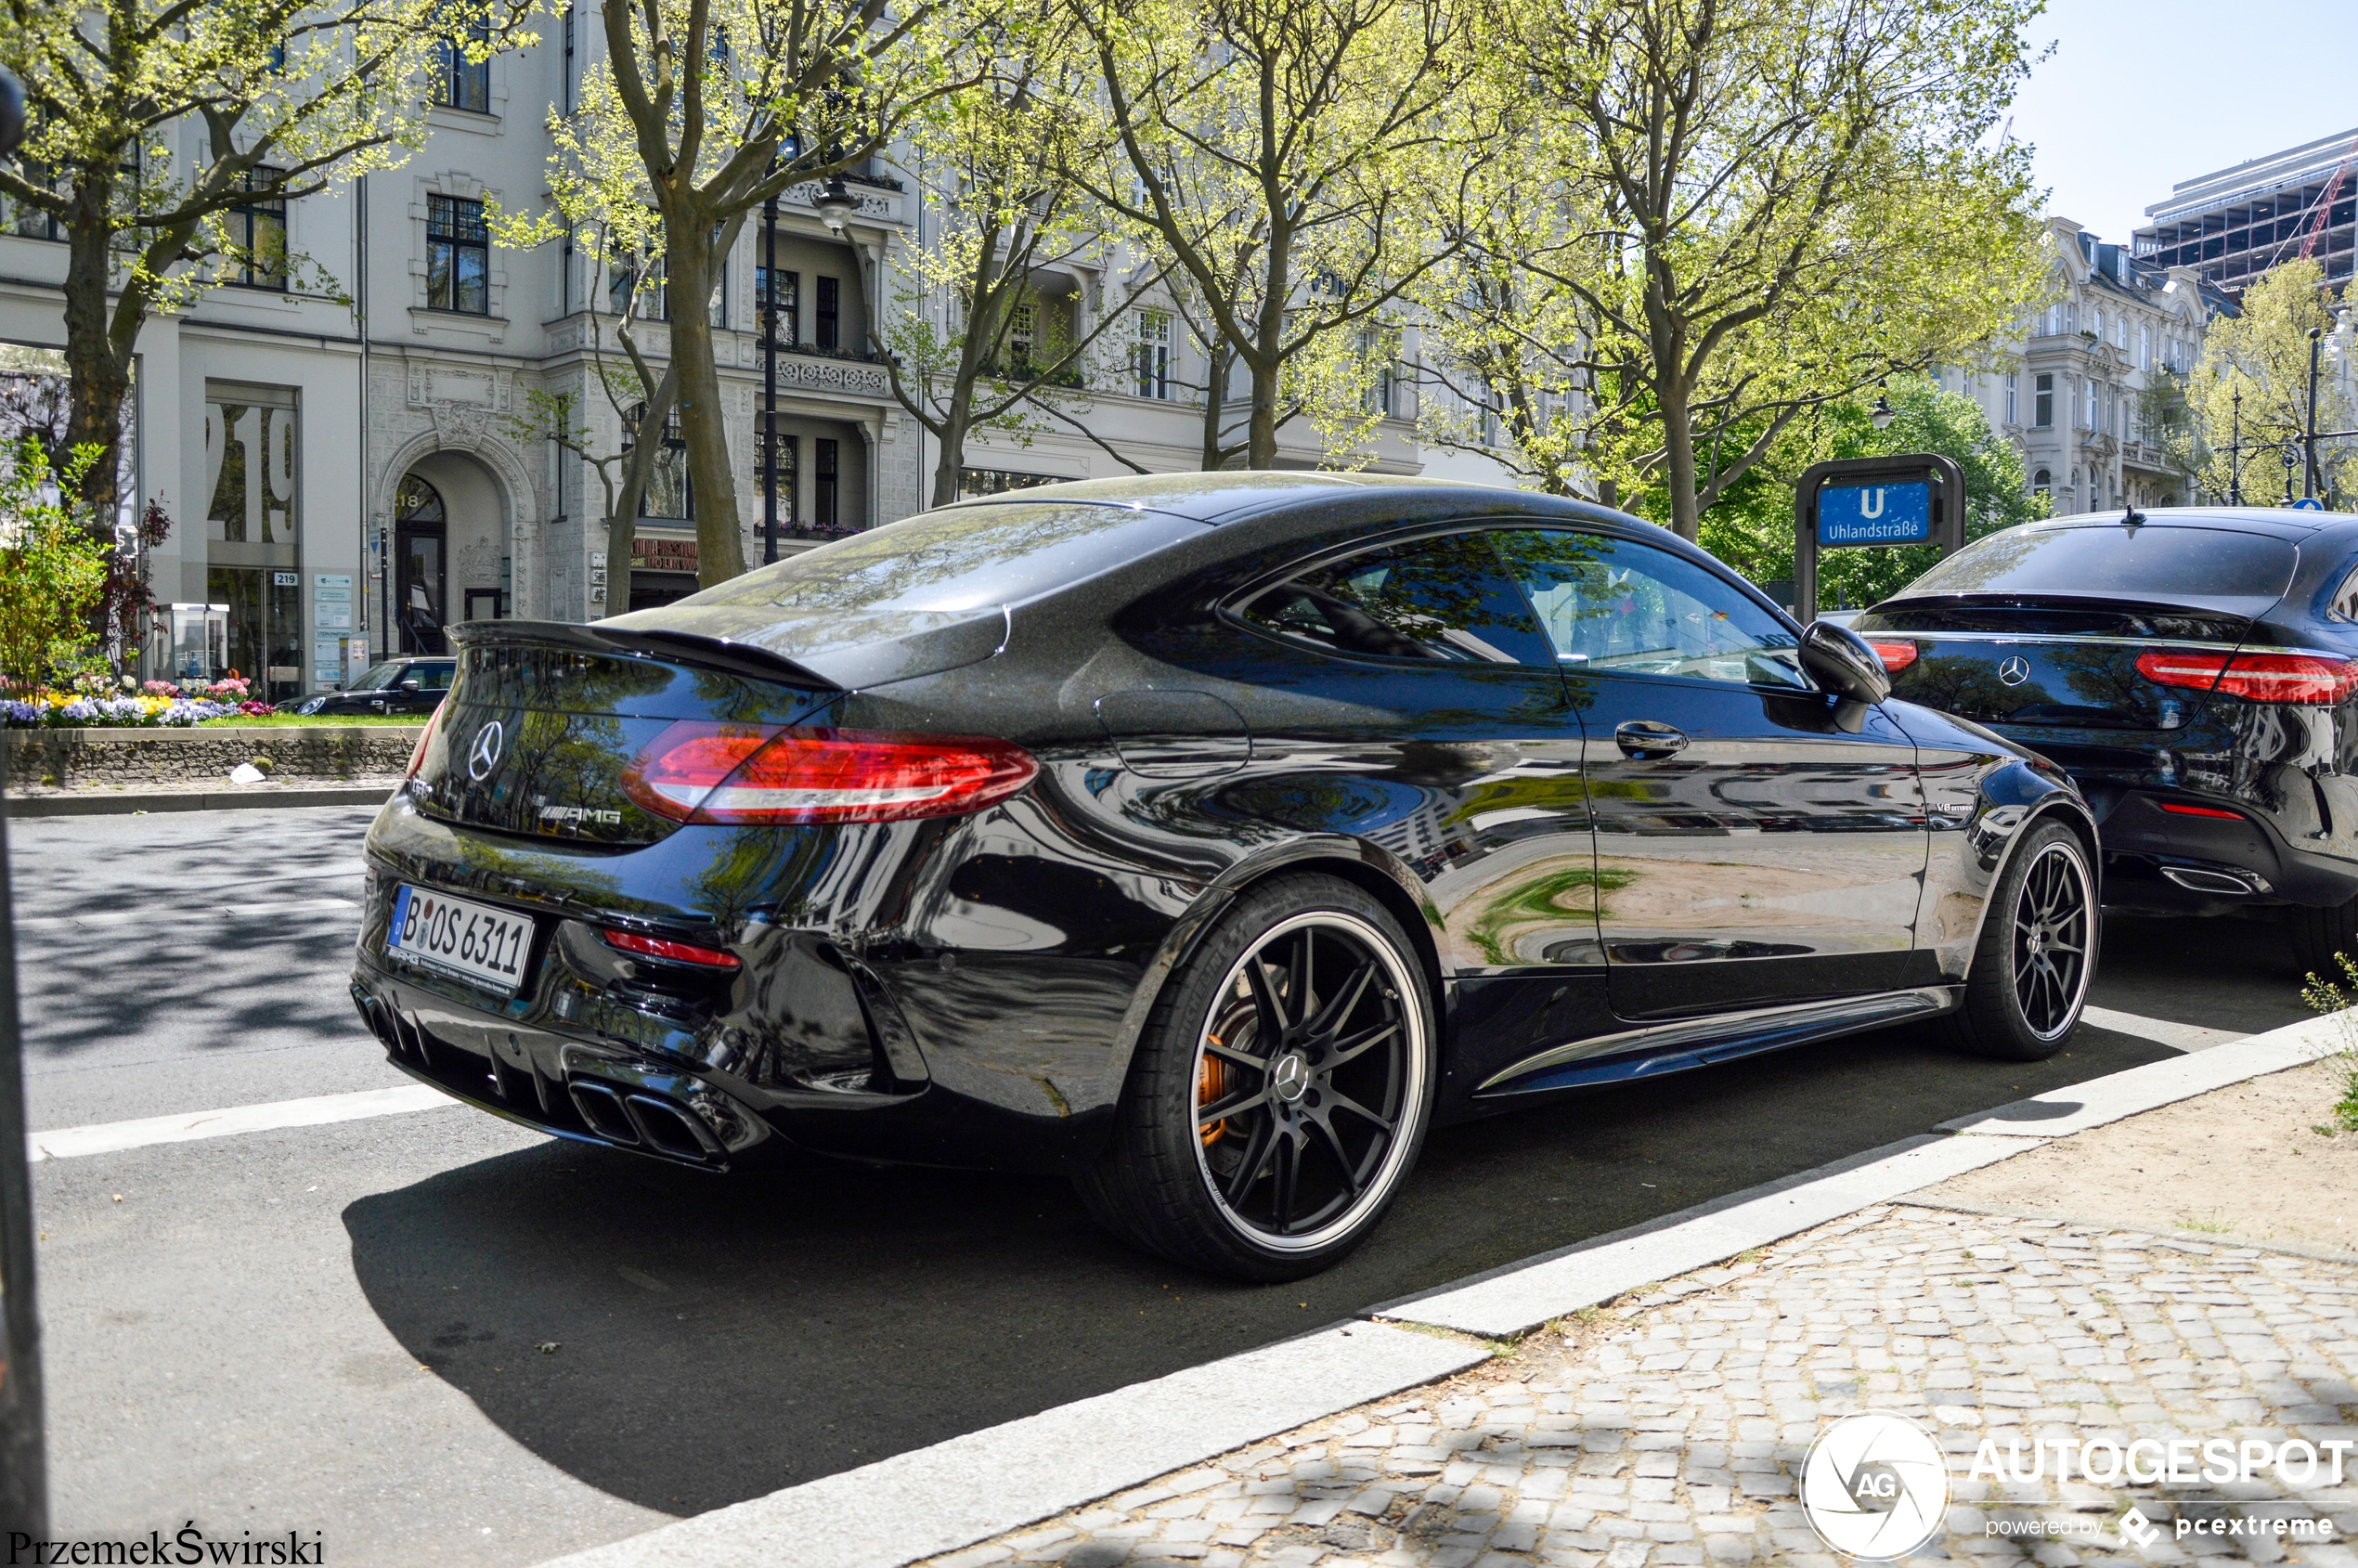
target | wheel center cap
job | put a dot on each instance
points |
(1289, 1077)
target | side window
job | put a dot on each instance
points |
(1615, 604)
(2345, 603)
(1441, 598)
(435, 677)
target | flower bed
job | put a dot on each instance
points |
(157, 705)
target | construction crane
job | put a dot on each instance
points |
(2316, 226)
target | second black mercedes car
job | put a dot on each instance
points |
(1206, 837)
(2195, 671)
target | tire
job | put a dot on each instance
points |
(2037, 949)
(2319, 934)
(1314, 1137)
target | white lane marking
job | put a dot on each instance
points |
(2178, 1037)
(153, 917)
(113, 1137)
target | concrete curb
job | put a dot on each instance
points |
(933, 1500)
(114, 803)
(930, 1501)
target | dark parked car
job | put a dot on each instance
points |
(395, 686)
(2195, 671)
(1204, 838)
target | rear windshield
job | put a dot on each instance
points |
(2173, 562)
(959, 559)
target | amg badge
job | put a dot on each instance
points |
(580, 814)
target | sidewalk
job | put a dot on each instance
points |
(1669, 1427)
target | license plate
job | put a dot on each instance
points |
(474, 941)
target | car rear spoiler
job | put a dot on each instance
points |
(673, 647)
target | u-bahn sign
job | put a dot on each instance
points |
(1917, 498)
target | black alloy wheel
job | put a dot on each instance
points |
(2030, 970)
(2050, 919)
(1280, 1090)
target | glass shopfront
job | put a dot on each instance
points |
(253, 529)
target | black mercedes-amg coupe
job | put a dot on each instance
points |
(2195, 671)
(1205, 838)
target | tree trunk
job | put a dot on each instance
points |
(955, 421)
(712, 480)
(98, 381)
(1262, 452)
(1215, 398)
(1679, 442)
(622, 520)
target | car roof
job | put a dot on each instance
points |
(2276, 522)
(1229, 495)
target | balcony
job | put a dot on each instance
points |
(808, 368)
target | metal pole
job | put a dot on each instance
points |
(2235, 456)
(2309, 445)
(24, 1476)
(769, 380)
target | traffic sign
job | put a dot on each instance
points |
(1861, 514)
(2308, 503)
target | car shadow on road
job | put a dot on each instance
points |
(684, 1341)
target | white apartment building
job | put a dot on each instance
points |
(346, 479)
(2070, 400)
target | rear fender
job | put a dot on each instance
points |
(1355, 859)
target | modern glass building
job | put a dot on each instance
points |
(2235, 224)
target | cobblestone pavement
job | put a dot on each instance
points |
(1670, 1428)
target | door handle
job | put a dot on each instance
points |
(1643, 740)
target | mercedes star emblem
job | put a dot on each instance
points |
(2014, 671)
(484, 755)
(1289, 1078)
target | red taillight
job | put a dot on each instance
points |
(697, 771)
(2304, 679)
(425, 738)
(2174, 808)
(679, 953)
(1896, 656)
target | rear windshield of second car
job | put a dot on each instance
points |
(961, 558)
(2111, 560)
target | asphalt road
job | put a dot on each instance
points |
(440, 1337)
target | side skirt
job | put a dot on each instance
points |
(1692, 1042)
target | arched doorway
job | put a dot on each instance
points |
(421, 549)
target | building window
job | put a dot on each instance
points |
(973, 481)
(457, 257)
(823, 497)
(785, 289)
(565, 261)
(2042, 401)
(788, 449)
(2088, 406)
(826, 322)
(565, 88)
(2054, 320)
(1023, 331)
(258, 228)
(2145, 346)
(668, 495)
(1153, 353)
(2012, 393)
(2042, 483)
(459, 82)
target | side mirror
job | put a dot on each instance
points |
(1839, 661)
(410, 685)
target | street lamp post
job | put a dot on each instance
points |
(2236, 455)
(2291, 461)
(769, 381)
(2309, 448)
